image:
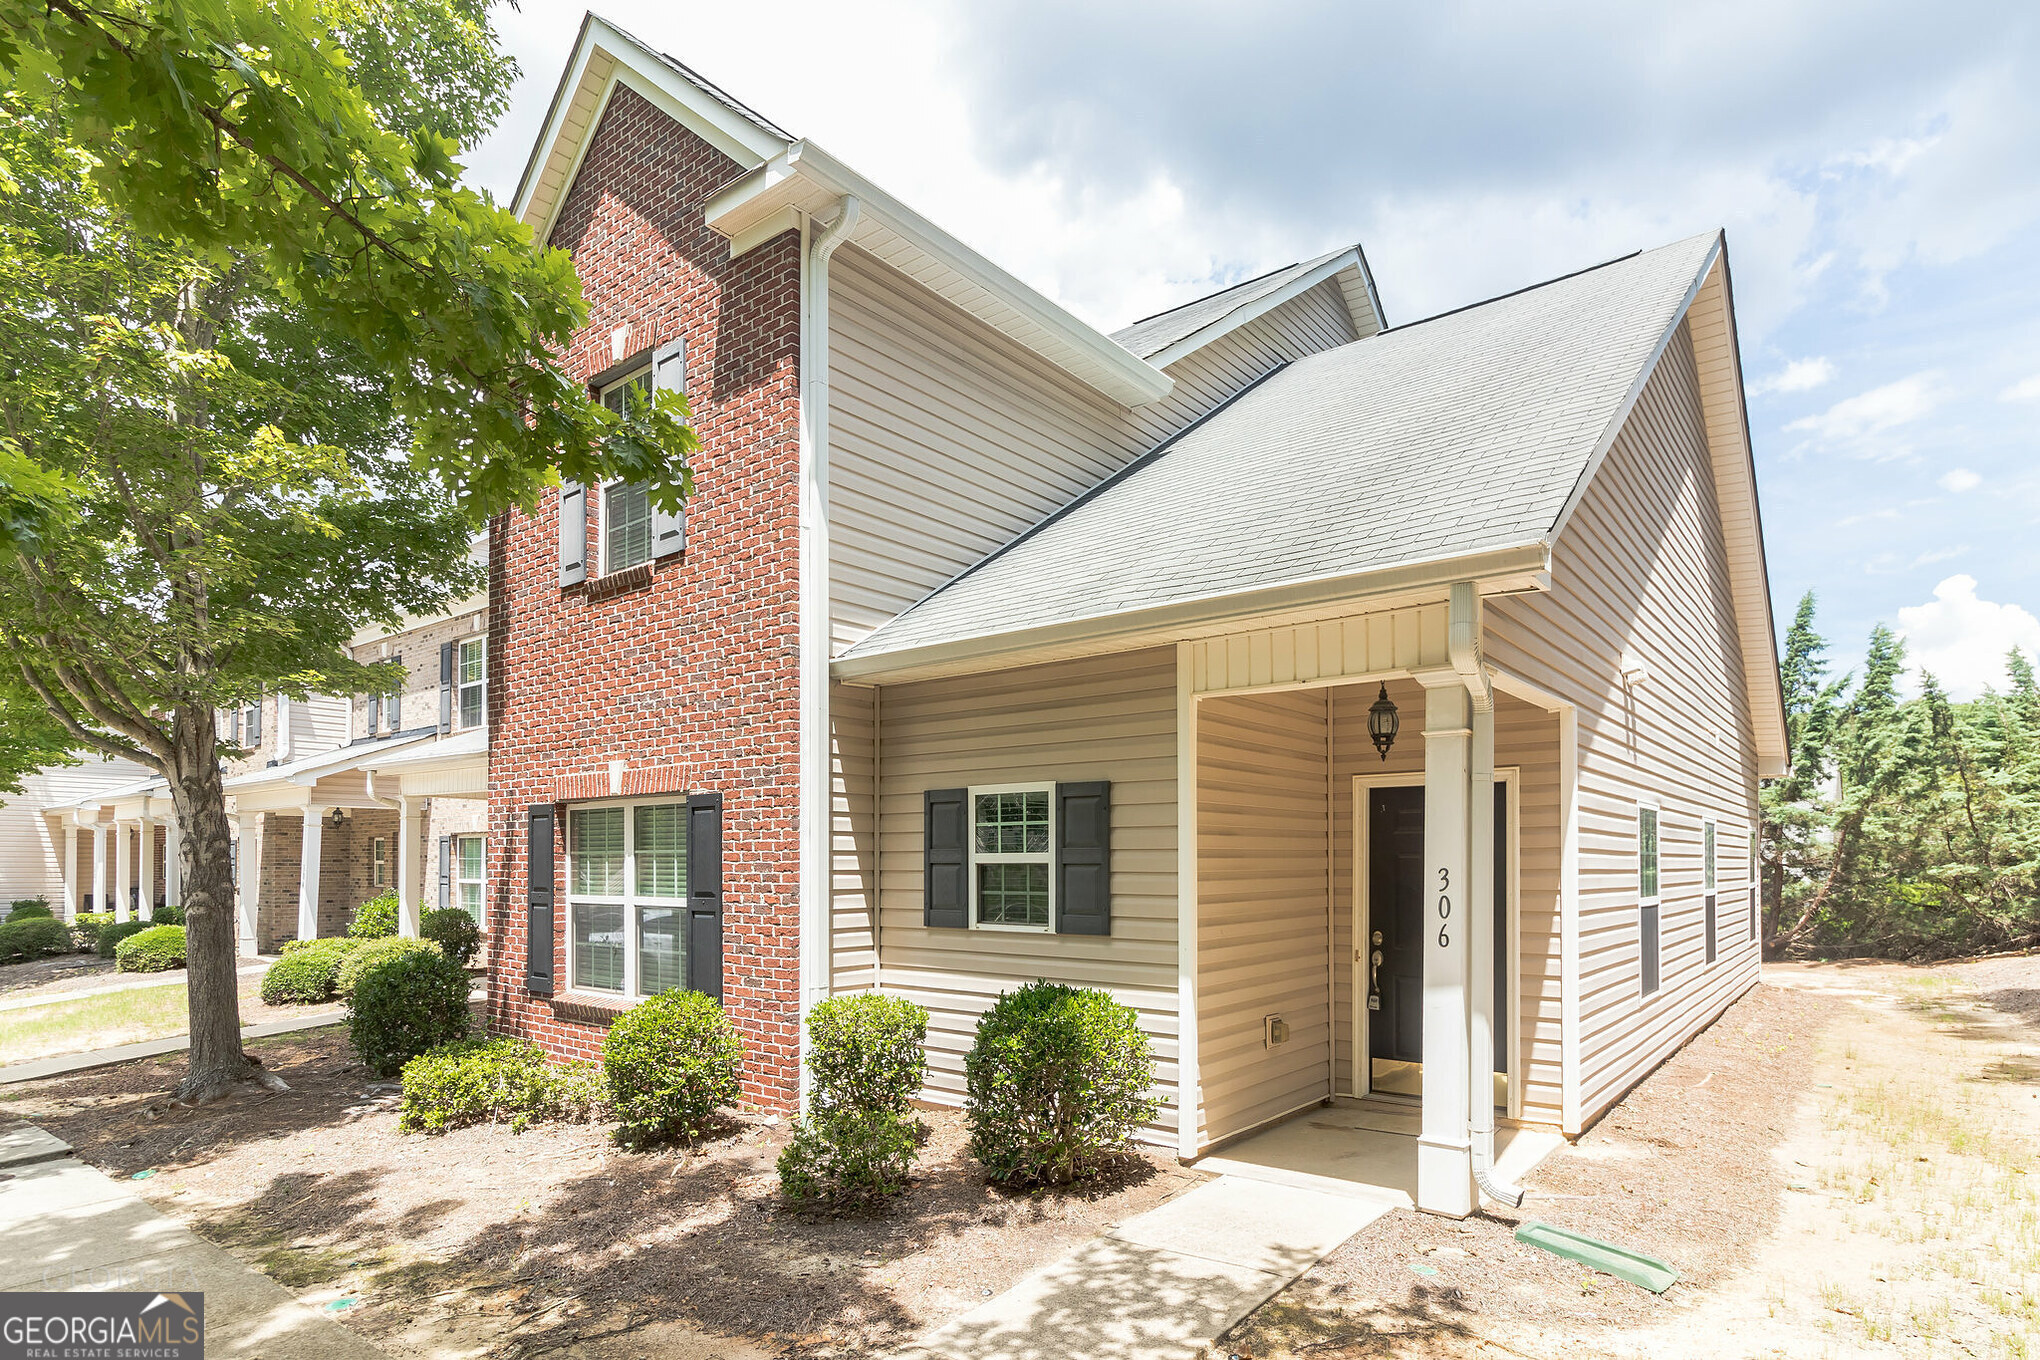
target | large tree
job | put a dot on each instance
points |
(265, 367)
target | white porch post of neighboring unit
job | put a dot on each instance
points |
(173, 870)
(308, 874)
(98, 867)
(70, 825)
(407, 867)
(123, 874)
(1444, 1148)
(147, 835)
(249, 858)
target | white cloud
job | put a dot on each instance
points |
(1959, 480)
(1800, 375)
(1875, 412)
(1867, 517)
(1963, 639)
(2026, 389)
(1928, 559)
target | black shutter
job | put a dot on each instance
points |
(1083, 858)
(945, 902)
(445, 872)
(573, 533)
(538, 939)
(445, 688)
(374, 714)
(669, 374)
(1647, 930)
(704, 894)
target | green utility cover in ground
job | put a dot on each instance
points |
(1621, 1262)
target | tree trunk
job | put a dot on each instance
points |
(212, 959)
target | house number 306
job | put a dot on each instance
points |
(1444, 906)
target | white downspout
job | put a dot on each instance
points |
(815, 772)
(1463, 642)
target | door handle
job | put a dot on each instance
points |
(1374, 977)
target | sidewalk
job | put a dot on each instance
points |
(1163, 1285)
(65, 1226)
(64, 1063)
(175, 977)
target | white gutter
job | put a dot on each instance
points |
(815, 781)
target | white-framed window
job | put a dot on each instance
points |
(379, 861)
(467, 875)
(471, 680)
(1012, 854)
(1755, 884)
(627, 897)
(626, 506)
(1707, 837)
(1647, 897)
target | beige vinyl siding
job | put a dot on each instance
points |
(32, 844)
(853, 938)
(1263, 907)
(1641, 569)
(947, 440)
(1526, 742)
(1111, 718)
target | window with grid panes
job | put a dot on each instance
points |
(627, 898)
(472, 681)
(1012, 847)
(626, 508)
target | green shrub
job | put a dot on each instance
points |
(1057, 1079)
(365, 954)
(169, 914)
(866, 1053)
(33, 937)
(24, 908)
(307, 973)
(405, 1002)
(152, 949)
(670, 1061)
(488, 1081)
(375, 919)
(85, 928)
(847, 1158)
(113, 932)
(454, 931)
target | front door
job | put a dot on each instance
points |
(1394, 943)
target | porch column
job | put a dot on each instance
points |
(308, 874)
(248, 857)
(1444, 1148)
(123, 872)
(147, 836)
(70, 834)
(173, 869)
(407, 867)
(98, 867)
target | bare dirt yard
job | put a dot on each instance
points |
(554, 1242)
(1843, 1165)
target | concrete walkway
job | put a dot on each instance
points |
(1164, 1284)
(134, 982)
(154, 1048)
(66, 1226)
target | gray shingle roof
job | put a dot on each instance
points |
(1151, 335)
(1459, 434)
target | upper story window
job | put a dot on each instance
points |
(1012, 850)
(472, 682)
(626, 508)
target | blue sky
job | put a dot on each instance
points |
(1876, 165)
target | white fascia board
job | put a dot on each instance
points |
(1261, 306)
(1499, 571)
(807, 179)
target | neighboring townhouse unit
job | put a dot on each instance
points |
(55, 844)
(1377, 710)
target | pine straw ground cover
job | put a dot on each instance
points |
(484, 1242)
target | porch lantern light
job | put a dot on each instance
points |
(1382, 722)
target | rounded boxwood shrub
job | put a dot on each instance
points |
(169, 914)
(670, 1061)
(85, 928)
(26, 908)
(478, 1081)
(405, 1002)
(33, 937)
(846, 1158)
(307, 973)
(454, 931)
(365, 954)
(113, 932)
(866, 1052)
(153, 949)
(1057, 1079)
(375, 919)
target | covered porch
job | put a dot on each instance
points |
(1372, 836)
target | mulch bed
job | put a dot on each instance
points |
(1680, 1169)
(552, 1238)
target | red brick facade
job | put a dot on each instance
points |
(691, 676)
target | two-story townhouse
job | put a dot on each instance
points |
(1176, 662)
